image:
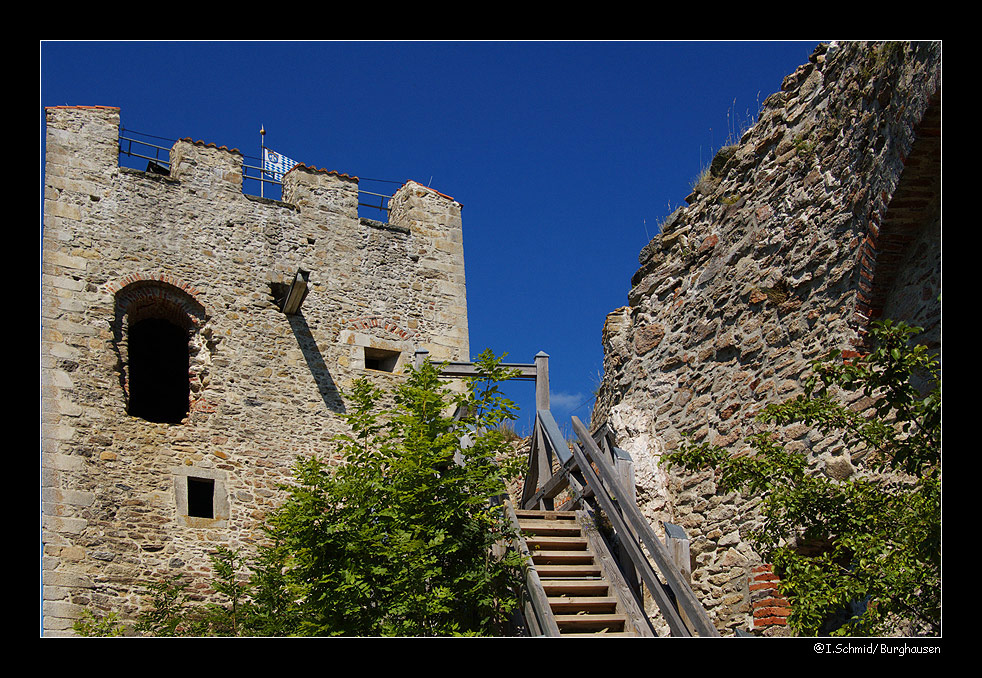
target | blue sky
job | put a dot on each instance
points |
(564, 155)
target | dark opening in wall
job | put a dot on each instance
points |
(381, 359)
(158, 371)
(201, 497)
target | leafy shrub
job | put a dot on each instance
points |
(399, 540)
(861, 555)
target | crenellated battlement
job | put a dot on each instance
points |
(93, 132)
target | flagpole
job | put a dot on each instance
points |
(262, 159)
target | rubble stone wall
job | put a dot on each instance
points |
(824, 217)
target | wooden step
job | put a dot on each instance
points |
(575, 587)
(547, 520)
(547, 528)
(545, 515)
(588, 604)
(576, 590)
(578, 571)
(572, 542)
(590, 623)
(562, 557)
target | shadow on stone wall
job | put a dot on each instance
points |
(315, 362)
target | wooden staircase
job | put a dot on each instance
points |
(575, 570)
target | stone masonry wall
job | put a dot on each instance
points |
(263, 387)
(824, 216)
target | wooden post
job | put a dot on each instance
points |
(542, 404)
(541, 380)
(624, 468)
(677, 544)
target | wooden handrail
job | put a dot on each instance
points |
(548, 446)
(587, 471)
(537, 612)
(612, 497)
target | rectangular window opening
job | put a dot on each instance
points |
(381, 359)
(201, 497)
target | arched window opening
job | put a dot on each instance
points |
(160, 339)
(158, 371)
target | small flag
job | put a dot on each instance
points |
(275, 164)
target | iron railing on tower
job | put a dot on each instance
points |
(139, 147)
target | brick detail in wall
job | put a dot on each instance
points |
(372, 322)
(882, 250)
(158, 277)
(167, 296)
(769, 607)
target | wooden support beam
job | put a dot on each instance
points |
(460, 370)
(297, 293)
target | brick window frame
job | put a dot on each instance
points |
(159, 297)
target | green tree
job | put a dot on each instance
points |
(235, 618)
(94, 626)
(171, 612)
(859, 556)
(399, 539)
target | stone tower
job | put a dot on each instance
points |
(179, 376)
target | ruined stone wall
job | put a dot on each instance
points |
(824, 216)
(262, 386)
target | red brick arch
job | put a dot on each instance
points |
(914, 204)
(769, 607)
(140, 290)
(378, 322)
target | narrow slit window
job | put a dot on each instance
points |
(380, 359)
(201, 497)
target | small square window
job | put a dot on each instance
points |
(201, 497)
(380, 359)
